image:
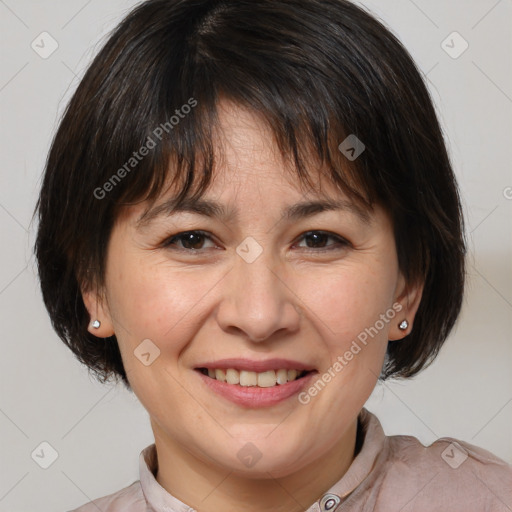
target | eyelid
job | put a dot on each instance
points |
(341, 241)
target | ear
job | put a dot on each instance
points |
(409, 297)
(98, 310)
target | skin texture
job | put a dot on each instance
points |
(297, 300)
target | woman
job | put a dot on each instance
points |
(248, 215)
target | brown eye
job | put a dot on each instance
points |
(318, 240)
(189, 240)
(194, 241)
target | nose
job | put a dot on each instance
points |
(257, 301)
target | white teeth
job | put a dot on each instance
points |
(282, 376)
(220, 375)
(245, 378)
(248, 378)
(292, 374)
(267, 379)
(232, 376)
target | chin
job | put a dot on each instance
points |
(259, 459)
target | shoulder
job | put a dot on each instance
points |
(129, 499)
(448, 474)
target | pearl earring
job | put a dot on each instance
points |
(403, 325)
(96, 324)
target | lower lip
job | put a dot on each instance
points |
(253, 396)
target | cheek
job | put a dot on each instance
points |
(151, 299)
(348, 301)
(352, 312)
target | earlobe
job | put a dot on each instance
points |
(100, 324)
(409, 298)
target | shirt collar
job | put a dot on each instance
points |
(160, 500)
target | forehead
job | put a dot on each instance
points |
(246, 151)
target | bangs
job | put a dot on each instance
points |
(190, 154)
(174, 104)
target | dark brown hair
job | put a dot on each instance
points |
(316, 71)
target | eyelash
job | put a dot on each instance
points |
(169, 242)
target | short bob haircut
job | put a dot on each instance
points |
(316, 71)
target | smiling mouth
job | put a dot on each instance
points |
(244, 378)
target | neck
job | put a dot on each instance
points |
(209, 488)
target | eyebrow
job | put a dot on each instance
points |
(208, 208)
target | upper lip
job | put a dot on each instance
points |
(256, 366)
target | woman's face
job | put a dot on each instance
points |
(265, 280)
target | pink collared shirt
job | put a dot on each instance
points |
(390, 473)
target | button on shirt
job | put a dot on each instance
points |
(390, 473)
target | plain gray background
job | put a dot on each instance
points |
(97, 430)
